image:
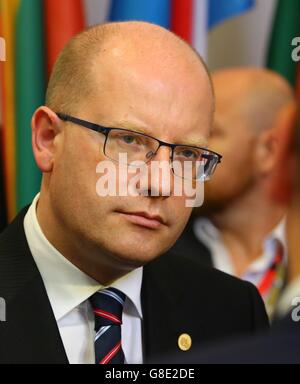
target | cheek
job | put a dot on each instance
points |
(74, 175)
(83, 161)
(230, 171)
(230, 177)
(179, 212)
(237, 155)
(180, 218)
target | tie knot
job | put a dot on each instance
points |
(108, 307)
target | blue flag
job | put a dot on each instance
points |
(153, 11)
(220, 10)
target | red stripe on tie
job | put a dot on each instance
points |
(108, 316)
(111, 354)
(267, 282)
(270, 276)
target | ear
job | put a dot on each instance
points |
(281, 184)
(45, 127)
(266, 151)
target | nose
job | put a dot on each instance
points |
(162, 154)
(160, 175)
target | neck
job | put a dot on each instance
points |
(245, 225)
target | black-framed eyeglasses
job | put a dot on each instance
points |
(198, 163)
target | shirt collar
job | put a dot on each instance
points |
(206, 232)
(66, 285)
(270, 248)
(280, 234)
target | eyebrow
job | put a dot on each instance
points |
(130, 126)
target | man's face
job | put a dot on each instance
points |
(232, 137)
(129, 94)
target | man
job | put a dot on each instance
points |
(239, 230)
(280, 345)
(81, 280)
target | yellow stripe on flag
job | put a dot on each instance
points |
(8, 14)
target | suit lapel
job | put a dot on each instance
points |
(31, 328)
(30, 334)
(188, 246)
(162, 301)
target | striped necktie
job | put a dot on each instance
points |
(108, 308)
(272, 283)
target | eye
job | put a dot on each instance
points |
(128, 139)
(189, 154)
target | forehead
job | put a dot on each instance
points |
(170, 101)
(231, 89)
(231, 98)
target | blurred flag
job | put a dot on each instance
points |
(190, 22)
(286, 27)
(29, 72)
(220, 10)
(152, 11)
(298, 81)
(35, 31)
(190, 19)
(22, 91)
(63, 19)
(8, 11)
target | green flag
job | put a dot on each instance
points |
(30, 91)
(286, 28)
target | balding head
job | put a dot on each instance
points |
(251, 106)
(255, 95)
(89, 54)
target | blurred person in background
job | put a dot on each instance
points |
(239, 230)
(279, 345)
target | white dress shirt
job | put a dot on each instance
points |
(210, 236)
(69, 289)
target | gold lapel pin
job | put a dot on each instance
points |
(185, 342)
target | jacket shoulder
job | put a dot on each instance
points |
(222, 297)
(194, 272)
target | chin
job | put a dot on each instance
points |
(136, 256)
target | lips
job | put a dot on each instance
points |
(144, 219)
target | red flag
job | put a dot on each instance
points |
(182, 19)
(63, 20)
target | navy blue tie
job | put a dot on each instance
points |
(108, 307)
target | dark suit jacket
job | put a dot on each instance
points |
(178, 296)
(189, 247)
(280, 345)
